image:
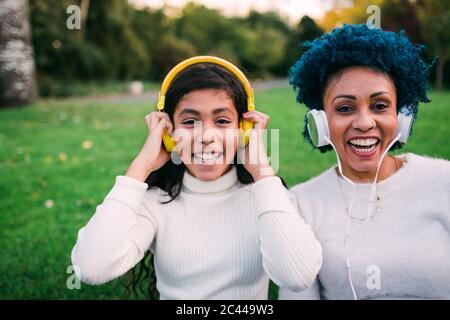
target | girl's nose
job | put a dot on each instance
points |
(207, 133)
(208, 137)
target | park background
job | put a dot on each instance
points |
(72, 108)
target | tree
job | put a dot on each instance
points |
(156, 31)
(347, 12)
(306, 30)
(204, 28)
(263, 43)
(17, 72)
(168, 53)
(270, 50)
(109, 27)
(401, 15)
(435, 18)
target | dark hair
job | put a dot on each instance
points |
(358, 45)
(170, 176)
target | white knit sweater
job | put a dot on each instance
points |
(216, 240)
(402, 253)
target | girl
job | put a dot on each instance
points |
(383, 221)
(217, 229)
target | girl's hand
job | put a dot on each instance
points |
(153, 155)
(254, 155)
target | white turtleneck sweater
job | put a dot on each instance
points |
(402, 253)
(217, 240)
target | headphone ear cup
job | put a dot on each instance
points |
(317, 124)
(244, 134)
(168, 142)
(404, 126)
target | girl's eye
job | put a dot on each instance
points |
(344, 109)
(379, 106)
(223, 121)
(190, 122)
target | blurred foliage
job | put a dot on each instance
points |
(120, 42)
(109, 27)
(347, 12)
(424, 22)
(434, 16)
(306, 30)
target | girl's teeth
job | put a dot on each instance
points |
(207, 156)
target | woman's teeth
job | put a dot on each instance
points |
(363, 145)
(207, 156)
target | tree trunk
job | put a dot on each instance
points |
(17, 71)
(440, 73)
(84, 12)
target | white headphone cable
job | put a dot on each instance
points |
(349, 209)
(373, 192)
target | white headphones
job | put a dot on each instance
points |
(320, 134)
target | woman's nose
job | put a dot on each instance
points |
(364, 121)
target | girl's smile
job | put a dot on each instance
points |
(209, 121)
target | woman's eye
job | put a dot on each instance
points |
(344, 109)
(223, 121)
(379, 106)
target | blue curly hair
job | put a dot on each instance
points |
(358, 45)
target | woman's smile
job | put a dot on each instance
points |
(363, 146)
(360, 105)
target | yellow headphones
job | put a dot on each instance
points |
(245, 125)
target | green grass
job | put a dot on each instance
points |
(42, 158)
(88, 88)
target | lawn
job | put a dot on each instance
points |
(58, 159)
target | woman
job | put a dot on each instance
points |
(217, 229)
(383, 221)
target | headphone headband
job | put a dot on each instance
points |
(319, 132)
(206, 59)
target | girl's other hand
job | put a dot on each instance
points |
(254, 155)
